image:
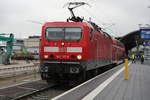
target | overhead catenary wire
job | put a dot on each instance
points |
(103, 23)
(35, 22)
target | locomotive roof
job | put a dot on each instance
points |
(65, 23)
(89, 24)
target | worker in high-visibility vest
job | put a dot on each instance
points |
(142, 58)
(133, 58)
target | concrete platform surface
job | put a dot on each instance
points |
(18, 68)
(18, 63)
(137, 87)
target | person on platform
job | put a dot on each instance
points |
(133, 58)
(142, 58)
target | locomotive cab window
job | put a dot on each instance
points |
(63, 33)
(73, 33)
(54, 33)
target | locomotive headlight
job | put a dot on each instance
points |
(45, 56)
(79, 57)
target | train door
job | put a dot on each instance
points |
(92, 44)
(110, 50)
(113, 53)
(96, 44)
(102, 46)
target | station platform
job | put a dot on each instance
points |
(17, 68)
(137, 87)
(18, 63)
(115, 87)
(15, 64)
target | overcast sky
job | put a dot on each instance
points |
(118, 17)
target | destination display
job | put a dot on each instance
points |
(145, 33)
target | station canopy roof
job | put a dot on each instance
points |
(131, 40)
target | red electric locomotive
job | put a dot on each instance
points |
(71, 49)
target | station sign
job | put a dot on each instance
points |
(145, 33)
(146, 43)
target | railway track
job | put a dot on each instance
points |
(15, 70)
(45, 94)
(35, 95)
(36, 90)
(18, 92)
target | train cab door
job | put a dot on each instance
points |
(111, 50)
(114, 52)
(96, 50)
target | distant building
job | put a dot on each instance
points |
(18, 45)
(32, 44)
(2, 45)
